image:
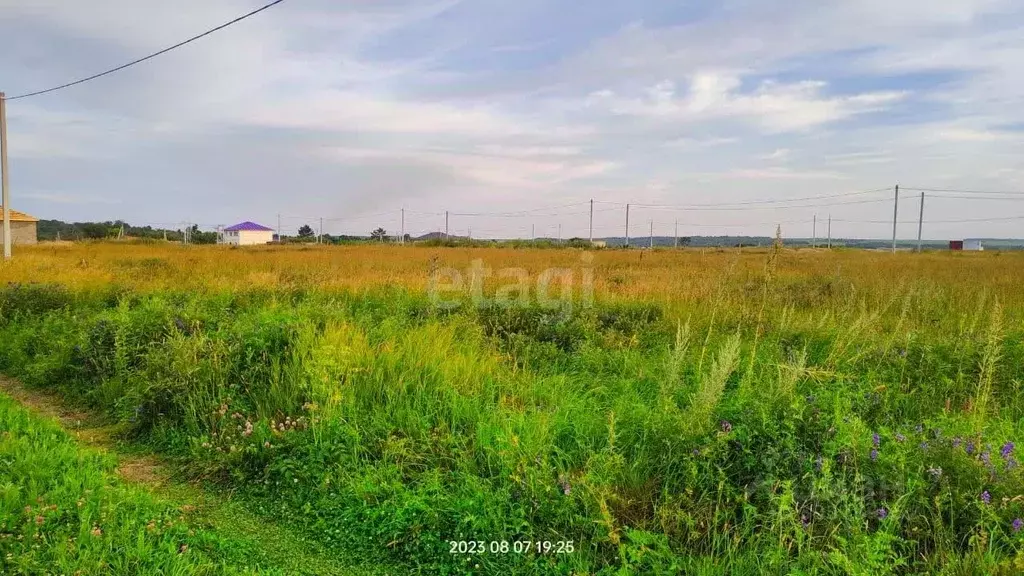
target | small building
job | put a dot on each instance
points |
(956, 245)
(246, 234)
(23, 228)
(973, 245)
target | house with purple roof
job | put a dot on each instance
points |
(246, 234)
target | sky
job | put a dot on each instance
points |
(512, 116)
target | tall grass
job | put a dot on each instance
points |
(712, 413)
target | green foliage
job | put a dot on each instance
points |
(737, 437)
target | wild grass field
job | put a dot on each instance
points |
(698, 412)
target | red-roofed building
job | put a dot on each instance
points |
(246, 234)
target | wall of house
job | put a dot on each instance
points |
(21, 233)
(254, 237)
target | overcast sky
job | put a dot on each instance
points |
(352, 109)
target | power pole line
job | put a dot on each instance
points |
(533, 232)
(627, 225)
(829, 231)
(895, 213)
(651, 245)
(591, 220)
(814, 239)
(920, 224)
(279, 239)
(6, 179)
(677, 234)
(446, 225)
(403, 225)
(559, 232)
(320, 233)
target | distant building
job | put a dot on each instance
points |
(23, 228)
(956, 245)
(973, 245)
(246, 234)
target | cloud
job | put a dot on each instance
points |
(325, 107)
(773, 106)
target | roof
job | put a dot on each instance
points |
(248, 227)
(18, 216)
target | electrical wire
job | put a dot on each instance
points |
(725, 205)
(149, 57)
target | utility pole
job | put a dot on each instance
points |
(651, 245)
(559, 232)
(533, 232)
(627, 225)
(677, 233)
(591, 221)
(6, 179)
(814, 239)
(403, 226)
(320, 233)
(829, 231)
(279, 238)
(895, 213)
(445, 224)
(920, 224)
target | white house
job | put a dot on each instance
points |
(246, 234)
(973, 245)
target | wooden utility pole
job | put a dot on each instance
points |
(814, 228)
(6, 178)
(320, 234)
(829, 231)
(651, 245)
(445, 224)
(895, 213)
(403, 225)
(677, 233)
(559, 233)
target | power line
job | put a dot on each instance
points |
(725, 205)
(955, 191)
(151, 56)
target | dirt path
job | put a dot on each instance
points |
(291, 550)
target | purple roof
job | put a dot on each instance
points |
(248, 227)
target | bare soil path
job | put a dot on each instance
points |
(294, 553)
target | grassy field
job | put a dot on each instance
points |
(699, 412)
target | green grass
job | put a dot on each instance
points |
(785, 427)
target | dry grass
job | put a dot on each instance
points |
(664, 276)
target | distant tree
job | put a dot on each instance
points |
(379, 234)
(305, 231)
(685, 241)
(195, 236)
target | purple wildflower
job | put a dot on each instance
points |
(805, 520)
(1011, 463)
(923, 446)
(563, 482)
(986, 497)
(876, 440)
(1007, 450)
(957, 442)
(900, 437)
(726, 426)
(883, 513)
(969, 448)
(986, 458)
(1017, 524)
(874, 454)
